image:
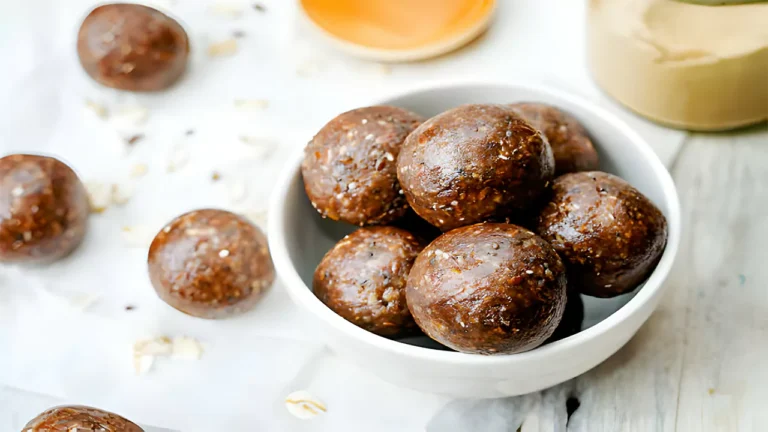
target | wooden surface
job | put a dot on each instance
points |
(700, 363)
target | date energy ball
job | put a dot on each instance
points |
(75, 418)
(43, 209)
(571, 146)
(132, 47)
(474, 163)
(363, 279)
(488, 288)
(210, 264)
(609, 235)
(349, 167)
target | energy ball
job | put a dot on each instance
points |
(571, 146)
(210, 264)
(488, 288)
(363, 279)
(132, 47)
(609, 235)
(43, 209)
(349, 167)
(81, 419)
(473, 163)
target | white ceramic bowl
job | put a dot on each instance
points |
(298, 239)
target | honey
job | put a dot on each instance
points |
(400, 25)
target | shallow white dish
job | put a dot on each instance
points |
(423, 52)
(298, 239)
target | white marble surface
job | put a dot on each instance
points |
(251, 363)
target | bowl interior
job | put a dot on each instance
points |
(308, 237)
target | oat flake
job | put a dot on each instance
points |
(97, 108)
(135, 115)
(301, 404)
(178, 158)
(99, 196)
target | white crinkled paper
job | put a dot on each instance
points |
(51, 345)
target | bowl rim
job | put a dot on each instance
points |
(303, 295)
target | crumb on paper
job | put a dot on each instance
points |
(215, 176)
(145, 351)
(139, 236)
(97, 108)
(227, 9)
(224, 48)
(238, 190)
(238, 34)
(259, 7)
(133, 139)
(99, 196)
(139, 170)
(711, 391)
(251, 104)
(134, 115)
(189, 132)
(301, 404)
(178, 158)
(130, 307)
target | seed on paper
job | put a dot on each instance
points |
(303, 405)
(133, 139)
(222, 49)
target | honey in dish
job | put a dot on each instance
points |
(397, 24)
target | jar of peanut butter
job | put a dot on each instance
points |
(690, 66)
